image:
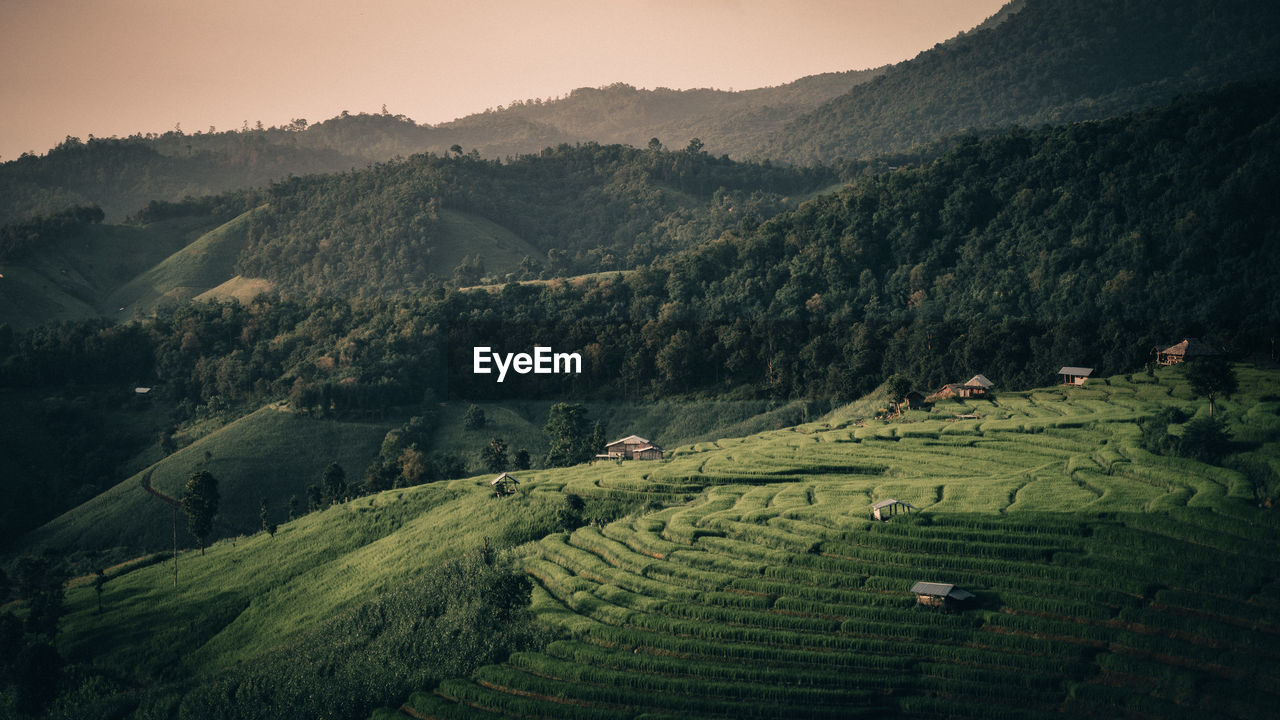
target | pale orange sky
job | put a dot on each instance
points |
(115, 67)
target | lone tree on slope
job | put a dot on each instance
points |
(200, 504)
(1211, 377)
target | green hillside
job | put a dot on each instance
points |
(464, 234)
(1110, 582)
(268, 453)
(272, 454)
(202, 265)
(74, 278)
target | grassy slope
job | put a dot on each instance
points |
(777, 521)
(238, 288)
(274, 454)
(267, 453)
(72, 279)
(202, 265)
(466, 234)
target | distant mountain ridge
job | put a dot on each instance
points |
(1033, 62)
(122, 175)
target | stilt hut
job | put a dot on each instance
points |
(886, 509)
(504, 484)
(935, 594)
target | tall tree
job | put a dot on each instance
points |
(474, 418)
(1211, 377)
(334, 483)
(200, 504)
(570, 438)
(494, 455)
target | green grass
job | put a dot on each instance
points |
(463, 234)
(1102, 573)
(268, 453)
(204, 264)
(73, 279)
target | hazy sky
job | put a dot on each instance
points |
(115, 67)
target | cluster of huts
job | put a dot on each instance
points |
(980, 386)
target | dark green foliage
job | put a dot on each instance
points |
(99, 584)
(333, 483)
(36, 672)
(1052, 61)
(474, 418)
(522, 459)
(494, 455)
(200, 504)
(569, 516)
(1204, 439)
(293, 507)
(1211, 377)
(444, 624)
(587, 208)
(1156, 437)
(898, 386)
(599, 436)
(17, 240)
(315, 498)
(262, 513)
(568, 436)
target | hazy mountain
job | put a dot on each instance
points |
(122, 175)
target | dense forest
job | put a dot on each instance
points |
(1051, 61)
(1010, 255)
(1087, 242)
(577, 209)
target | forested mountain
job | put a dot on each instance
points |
(1050, 62)
(571, 210)
(1011, 255)
(122, 175)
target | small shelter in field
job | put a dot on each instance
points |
(1188, 349)
(886, 509)
(142, 391)
(940, 594)
(504, 484)
(1075, 375)
(631, 447)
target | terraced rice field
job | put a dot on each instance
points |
(1109, 582)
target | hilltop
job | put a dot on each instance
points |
(1033, 62)
(1051, 61)
(123, 175)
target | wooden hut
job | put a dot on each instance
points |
(1188, 349)
(1075, 375)
(940, 594)
(631, 447)
(504, 484)
(886, 509)
(977, 386)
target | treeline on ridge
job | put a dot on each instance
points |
(1050, 61)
